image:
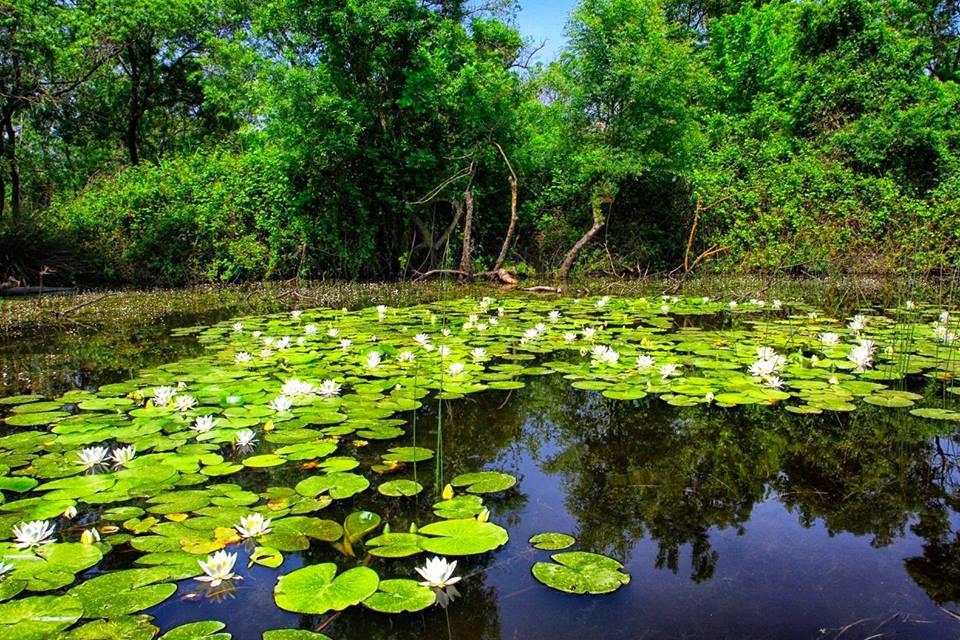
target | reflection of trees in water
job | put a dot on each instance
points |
(632, 469)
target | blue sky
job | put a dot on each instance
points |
(544, 20)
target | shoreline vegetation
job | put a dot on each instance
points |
(195, 141)
(111, 309)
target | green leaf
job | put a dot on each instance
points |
(317, 589)
(581, 572)
(552, 541)
(397, 596)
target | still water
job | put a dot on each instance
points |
(745, 522)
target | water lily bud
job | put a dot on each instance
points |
(90, 536)
(268, 426)
(447, 492)
(483, 516)
(386, 528)
(110, 529)
(833, 380)
(70, 513)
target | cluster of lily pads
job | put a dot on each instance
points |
(146, 464)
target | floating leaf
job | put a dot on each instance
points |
(484, 481)
(317, 589)
(552, 541)
(397, 596)
(581, 572)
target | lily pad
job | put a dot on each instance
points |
(317, 589)
(581, 572)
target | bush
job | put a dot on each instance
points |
(218, 215)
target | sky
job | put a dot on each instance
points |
(543, 20)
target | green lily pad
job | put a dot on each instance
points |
(581, 572)
(552, 541)
(484, 481)
(397, 596)
(317, 589)
(400, 488)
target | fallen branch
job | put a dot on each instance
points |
(76, 307)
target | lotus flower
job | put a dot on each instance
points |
(204, 424)
(123, 456)
(244, 438)
(645, 361)
(90, 536)
(329, 389)
(93, 456)
(32, 534)
(184, 403)
(438, 573)
(253, 526)
(281, 404)
(218, 568)
(163, 395)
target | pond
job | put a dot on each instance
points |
(758, 469)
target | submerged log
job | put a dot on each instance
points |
(35, 291)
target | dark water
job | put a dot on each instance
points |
(732, 523)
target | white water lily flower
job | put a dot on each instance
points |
(776, 305)
(204, 424)
(294, 387)
(445, 333)
(163, 395)
(540, 327)
(443, 350)
(90, 536)
(765, 353)
(281, 404)
(237, 327)
(733, 304)
(494, 322)
(553, 316)
(531, 334)
(253, 525)
(909, 305)
(269, 340)
(301, 341)
(610, 357)
(266, 353)
(645, 361)
(485, 302)
(767, 366)
(667, 370)
(373, 360)
(333, 332)
(774, 382)
(32, 534)
(311, 330)
(479, 354)
(944, 317)
(501, 311)
(438, 573)
(283, 343)
(257, 334)
(665, 308)
(329, 388)
(569, 336)
(709, 397)
(858, 323)
(422, 339)
(123, 456)
(93, 456)
(482, 326)
(244, 438)
(868, 344)
(588, 333)
(829, 338)
(296, 313)
(456, 369)
(602, 302)
(406, 356)
(70, 512)
(5, 569)
(346, 343)
(184, 403)
(242, 357)
(862, 357)
(218, 568)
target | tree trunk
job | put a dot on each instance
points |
(466, 258)
(10, 155)
(571, 256)
(505, 249)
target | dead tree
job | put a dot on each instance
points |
(598, 221)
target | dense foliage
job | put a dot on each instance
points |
(201, 140)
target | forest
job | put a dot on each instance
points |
(191, 141)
